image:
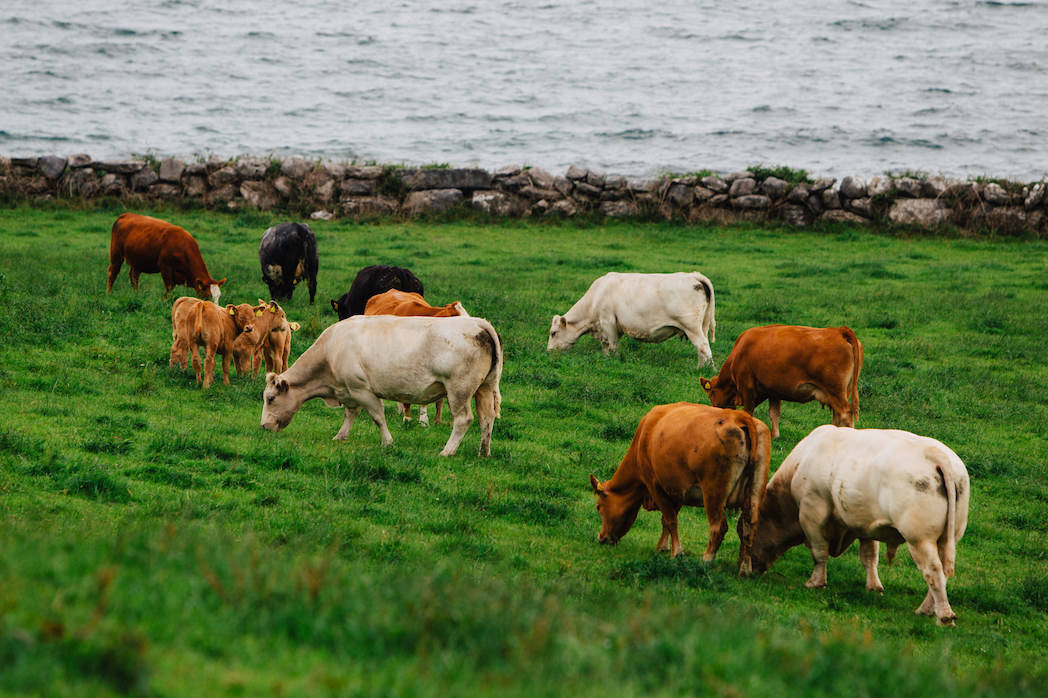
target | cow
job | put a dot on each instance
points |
(841, 484)
(695, 455)
(196, 323)
(358, 362)
(793, 363)
(270, 343)
(151, 245)
(371, 281)
(394, 302)
(288, 255)
(646, 307)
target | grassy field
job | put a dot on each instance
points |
(155, 541)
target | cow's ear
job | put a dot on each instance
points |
(261, 302)
(294, 326)
(282, 385)
(706, 384)
(563, 322)
(595, 484)
(232, 309)
(219, 283)
(334, 305)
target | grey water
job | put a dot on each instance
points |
(952, 87)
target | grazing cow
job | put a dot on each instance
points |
(394, 302)
(151, 245)
(371, 281)
(840, 484)
(288, 254)
(360, 361)
(196, 323)
(797, 364)
(270, 343)
(647, 307)
(695, 455)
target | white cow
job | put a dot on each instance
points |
(840, 484)
(358, 362)
(646, 307)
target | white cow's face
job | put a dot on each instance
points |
(560, 335)
(278, 407)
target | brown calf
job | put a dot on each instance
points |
(270, 342)
(792, 363)
(196, 323)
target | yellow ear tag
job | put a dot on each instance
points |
(294, 282)
(258, 313)
(232, 312)
(272, 309)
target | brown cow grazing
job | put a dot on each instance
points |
(197, 323)
(269, 343)
(797, 364)
(695, 455)
(152, 246)
(405, 303)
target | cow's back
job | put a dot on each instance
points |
(143, 239)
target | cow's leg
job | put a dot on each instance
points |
(714, 502)
(225, 367)
(116, 260)
(209, 366)
(664, 539)
(485, 398)
(698, 340)
(462, 417)
(195, 353)
(868, 550)
(347, 423)
(423, 416)
(813, 515)
(926, 556)
(373, 404)
(133, 275)
(437, 412)
(404, 409)
(609, 335)
(669, 510)
(774, 410)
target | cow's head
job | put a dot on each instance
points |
(617, 512)
(341, 307)
(243, 317)
(278, 403)
(777, 529)
(206, 287)
(720, 393)
(561, 334)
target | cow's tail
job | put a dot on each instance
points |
(754, 482)
(709, 319)
(495, 372)
(857, 357)
(948, 539)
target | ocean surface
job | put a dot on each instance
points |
(953, 87)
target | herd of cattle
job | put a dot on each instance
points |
(837, 485)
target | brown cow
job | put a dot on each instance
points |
(404, 303)
(793, 363)
(695, 455)
(151, 245)
(269, 343)
(196, 323)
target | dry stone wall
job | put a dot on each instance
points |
(324, 189)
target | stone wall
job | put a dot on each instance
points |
(323, 189)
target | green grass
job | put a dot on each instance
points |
(155, 541)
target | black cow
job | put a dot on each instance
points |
(372, 281)
(288, 254)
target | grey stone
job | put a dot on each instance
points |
(744, 174)
(853, 188)
(165, 190)
(507, 171)
(336, 170)
(831, 199)
(563, 208)
(78, 161)
(514, 182)
(82, 182)
(539, 208)
(321, 216)
(113, 184)
(223, 194)
(535, 194)
(908, 186)
(587, 190)
(743, 186)
(679, 195)
(366, 172)
(432, 200)
(618, 209)
(922, 212)
(120, 167)
(563, 185)
(797, 216)
(461, 179)
(702, 194)
(496, 203)
(285, 187)
(719, 200)
(879, 186)
(715, 184)
(252, 168)
(823, 184)
(615, 182)
(595, 180)
(143, 179)
(52, 166)
(994, 193)
(841, 216)
(576, 173)
(325, 191)
(196, 169)
(260, 195)
(222, 177)
(1034, 197)
(171, 170)
(366, 206)
(774, 187)
(862, 206)
(752, 202)
(359, 187)
(933, 187)
(641, 185)
(296, 167)
(540, 178)
(814, 203)
(799, 194)
(194, 186)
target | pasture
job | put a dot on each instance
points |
(155, 541)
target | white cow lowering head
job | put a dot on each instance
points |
(278, 406)
(562, 335)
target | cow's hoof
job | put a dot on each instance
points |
(815, 585)
(947, 621)
(879, 589)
